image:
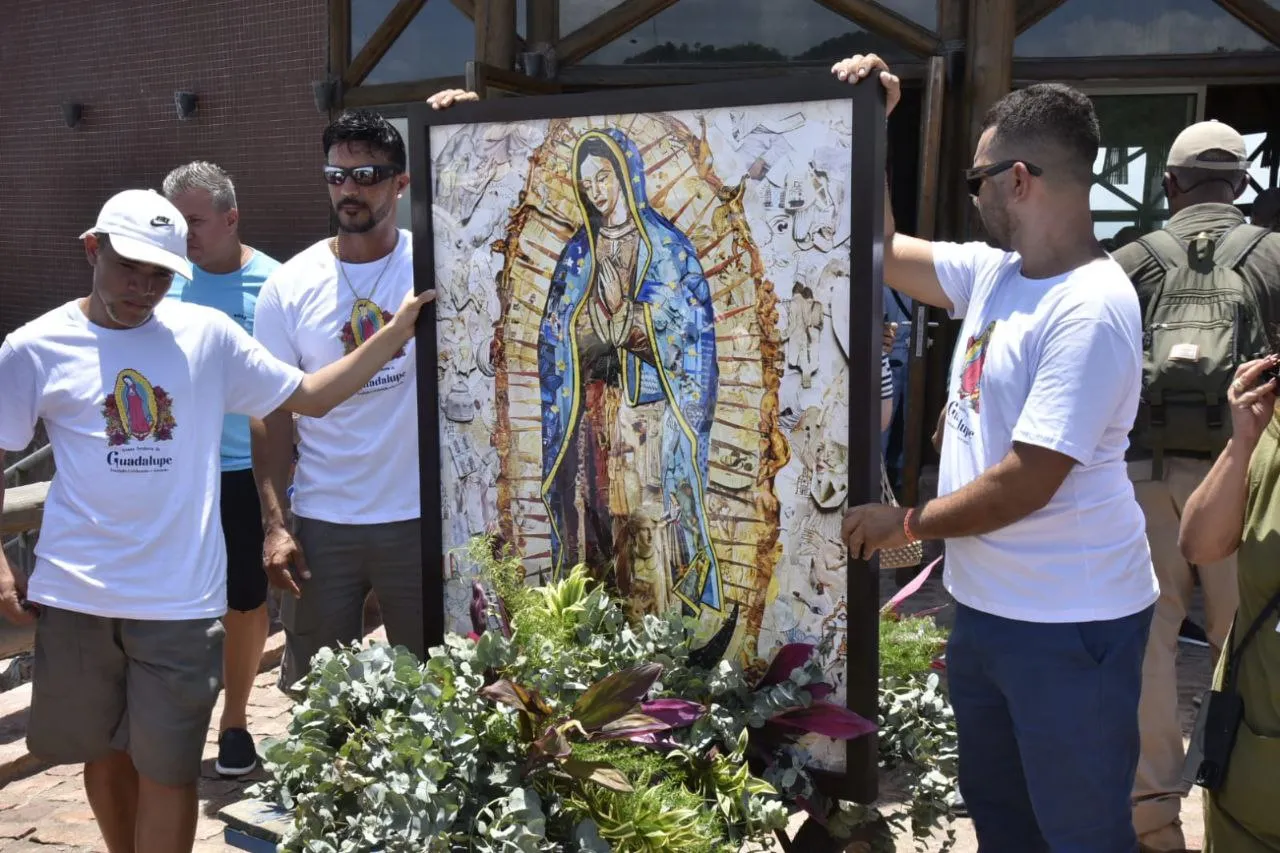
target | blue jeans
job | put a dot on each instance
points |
(1047, 716)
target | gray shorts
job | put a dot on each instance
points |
(346, 562)
(143, 687)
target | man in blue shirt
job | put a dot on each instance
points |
(228, 276)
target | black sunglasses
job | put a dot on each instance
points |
(365, 176)
(975, 176)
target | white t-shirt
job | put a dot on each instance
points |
(1055, 363)
(359, 463)
(131, 527)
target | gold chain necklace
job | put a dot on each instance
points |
(336, 247)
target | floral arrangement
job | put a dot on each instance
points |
(555, 725)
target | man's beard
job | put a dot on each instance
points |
(361, 226)
(996, 224)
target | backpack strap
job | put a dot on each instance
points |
(1236, 245)
(1169, 253)
(1165, 249)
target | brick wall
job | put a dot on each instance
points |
(250, 63)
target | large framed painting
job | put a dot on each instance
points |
(655, 351)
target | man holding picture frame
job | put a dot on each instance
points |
(1047, 555)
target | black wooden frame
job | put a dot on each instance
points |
(859, 781)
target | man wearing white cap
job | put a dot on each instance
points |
(1171, 450)
(129, 583)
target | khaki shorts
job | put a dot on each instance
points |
(143, 687)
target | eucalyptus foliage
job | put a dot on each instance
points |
(557, 725)
(917, 734)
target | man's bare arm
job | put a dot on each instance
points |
(320, 392)
(271, 440)
(13, 585)
(282, 558)
(908, 263)
(1213, 518)
(1021, 483)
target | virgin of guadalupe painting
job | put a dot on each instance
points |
(635, 357)
(636, 360)
(628, 308)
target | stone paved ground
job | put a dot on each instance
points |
(47, 812)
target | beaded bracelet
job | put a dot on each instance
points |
(906, 526)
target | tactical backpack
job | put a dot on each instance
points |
(1200, 323)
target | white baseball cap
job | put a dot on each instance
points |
(1202, 138)
(144, 226)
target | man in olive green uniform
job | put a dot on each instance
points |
(1206, 173)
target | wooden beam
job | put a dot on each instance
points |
(468, 8)
(380, 42)
(622, 18)
(884, 22)
(543, 24)
(1259, 15)
(952, 15)
(23, 508)
(496, 33)
(954, 209)
(481, 78)
(990, 67)
(913, 401)
(953, 202)
(1031, 12)
(339, 37)
(388, 94)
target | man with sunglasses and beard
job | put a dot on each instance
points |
(355, 503)
(130, 578)
(1046, 553)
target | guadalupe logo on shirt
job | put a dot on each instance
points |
(366, 319)
(975, 356)
(141, 414)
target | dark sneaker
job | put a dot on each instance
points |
(237, 755)
(1192, 634)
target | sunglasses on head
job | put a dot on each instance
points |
(975, 176)
(365, 176)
